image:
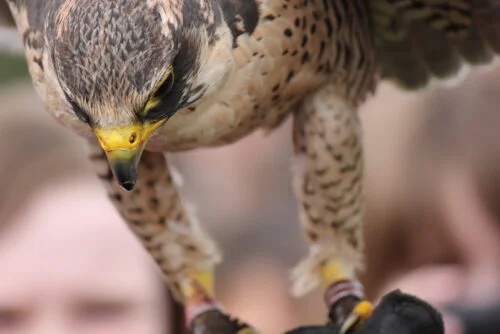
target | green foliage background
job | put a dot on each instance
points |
(12, 68)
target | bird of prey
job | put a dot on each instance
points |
(139, 78)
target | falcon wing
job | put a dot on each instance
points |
(418, 40)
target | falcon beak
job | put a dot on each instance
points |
(124, 163)
(124, 146)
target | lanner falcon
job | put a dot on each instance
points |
(139, 78)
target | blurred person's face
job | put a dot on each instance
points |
(84, 275)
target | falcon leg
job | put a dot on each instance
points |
(329, 171)
(185, 255)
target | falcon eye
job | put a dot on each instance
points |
(166, 86)
(163, 89)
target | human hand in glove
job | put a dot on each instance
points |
(397, 313)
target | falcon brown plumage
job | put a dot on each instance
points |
(142, 77)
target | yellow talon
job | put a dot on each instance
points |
(359, 314)
(206, 279)
(196, 280)
(333, 272)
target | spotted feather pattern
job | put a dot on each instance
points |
(418, 40)
(329, 174)
(155, 212)
(248, 65)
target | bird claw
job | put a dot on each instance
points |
(214, 321)
(205, 316)
(346, 315)
(361, 312)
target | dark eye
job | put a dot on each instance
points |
(164, 102)
(165, 87)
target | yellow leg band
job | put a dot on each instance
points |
(333, 272)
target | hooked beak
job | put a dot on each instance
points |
(124, 146)
(124, 163)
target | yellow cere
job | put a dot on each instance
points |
(127, 137)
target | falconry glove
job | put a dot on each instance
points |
(397, 313)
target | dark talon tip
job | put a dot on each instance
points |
(216, 322)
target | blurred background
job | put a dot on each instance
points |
(432, 215)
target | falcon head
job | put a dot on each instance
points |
(126, 67)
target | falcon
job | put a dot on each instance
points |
(141, 78)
